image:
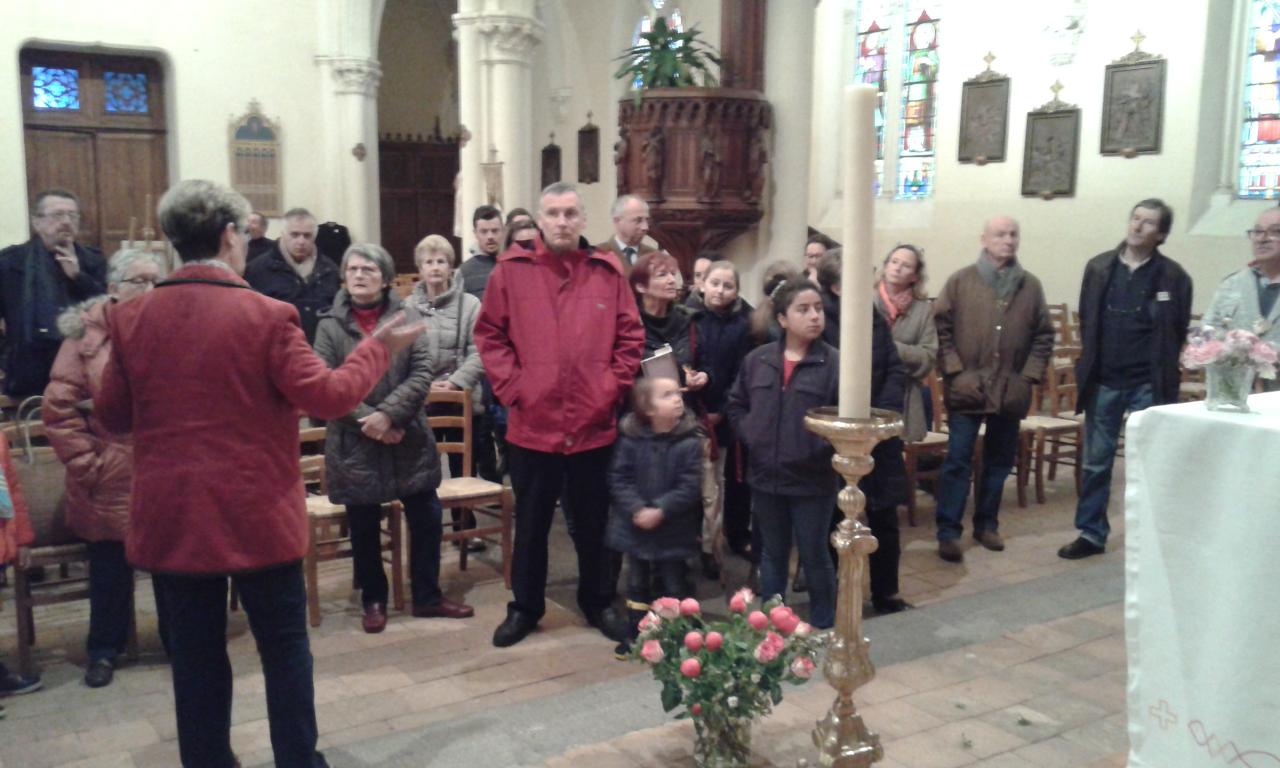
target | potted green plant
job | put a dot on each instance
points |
(725, 673)
(668, 58)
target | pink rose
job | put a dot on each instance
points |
(758, 620)
(690, 667)
(667, 608)
(784, 619)
(769, 648)
(650, 621)
(689, 607)
(714, 641)
(803, 629)
(740, 600)
(802, 667)
(1263, 353)
(693, 641)
(695, 708)
(652, 652)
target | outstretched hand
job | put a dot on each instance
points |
(395, 334)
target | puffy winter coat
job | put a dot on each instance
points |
(359, 469)
(662, 470)
(451, 322)
(99, 464)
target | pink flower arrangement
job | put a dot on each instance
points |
(1209, 346)
(725, 669)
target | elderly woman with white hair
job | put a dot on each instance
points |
(455, 360)
(382, 450)
(99, 464)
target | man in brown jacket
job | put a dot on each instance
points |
(994, 342)
(630, 226)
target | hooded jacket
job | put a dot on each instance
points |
(451, 323)
(359, 469)
(560, 353)
(663, 470)
(99, 464)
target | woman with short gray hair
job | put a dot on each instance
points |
(383, 451)
(195, 214)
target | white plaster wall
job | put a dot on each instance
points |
(1058, 236)
(217, 56)
(419, 73)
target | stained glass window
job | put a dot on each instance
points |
(125, 91)
(55, 88)
(1260, 136)
(873, 43)
(916, 137)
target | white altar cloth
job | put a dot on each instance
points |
(1202, 586)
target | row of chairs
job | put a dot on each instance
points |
(477, 499)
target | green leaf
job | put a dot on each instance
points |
(671, 696)
(775, 693)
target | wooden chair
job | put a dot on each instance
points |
(473, 495)
(934, 443)
(1065, 333)
(405, 282)
(53, 546)
(1043, 424)
(1062, 395)
(330, 538)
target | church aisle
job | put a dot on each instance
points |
(1003, 639)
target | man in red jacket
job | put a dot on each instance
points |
(209, 376)
(561, 340)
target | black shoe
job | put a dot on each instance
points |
(513, 629)
(1079, 549)
(473, 545)
(884, 605)
(949, 550)
(623, 651)
(610, 624)
(710, 568)
(14, 684)
(99, 673)
(799, 584)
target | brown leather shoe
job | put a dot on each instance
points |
(950, 551)
(375, 618)
(989, 539)
(445, 609)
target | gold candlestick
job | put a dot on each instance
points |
(842, 739)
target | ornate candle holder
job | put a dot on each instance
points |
(842, 738)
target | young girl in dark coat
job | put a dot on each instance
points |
(656, 489)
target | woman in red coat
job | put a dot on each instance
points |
(15, 531)
(99, 464)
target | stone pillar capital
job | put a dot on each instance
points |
(507, 37)
(353, 74)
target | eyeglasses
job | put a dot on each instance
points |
(1263, 234)
(60, 215)
(362, 270)
(141, 280)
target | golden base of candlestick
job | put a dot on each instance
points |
(842, 739)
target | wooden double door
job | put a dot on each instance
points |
(416, 195)
(95, 126)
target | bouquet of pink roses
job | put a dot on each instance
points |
(1235, 347)
(725, 673)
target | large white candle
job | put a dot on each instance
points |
(859, 142)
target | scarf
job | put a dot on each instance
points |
(896, 304)
(42, 296)
(304, 268)
(1004, 282)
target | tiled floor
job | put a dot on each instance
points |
(1049, 694)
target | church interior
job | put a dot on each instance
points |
(397, 118)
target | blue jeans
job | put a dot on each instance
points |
(110, 600)
(809, 518)
(999, 450)
(275, 600)
(1103, 419)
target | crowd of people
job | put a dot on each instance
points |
(174, 402)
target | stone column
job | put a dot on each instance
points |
(788, 84)
(496, 40)
(507, 47)
(354, 193)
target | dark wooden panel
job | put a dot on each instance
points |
(65, 159)
(416, 180)
(130, 167)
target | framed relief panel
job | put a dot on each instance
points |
(1052, 150)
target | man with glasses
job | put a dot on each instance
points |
(39, 279)
(1250, 298)
(1135, 304)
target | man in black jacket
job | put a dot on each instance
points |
(39, 279)
(1135, 305)
(295, 272)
